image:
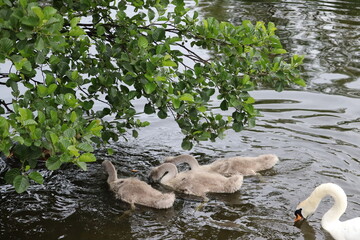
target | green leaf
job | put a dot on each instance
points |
(73, 116)
(23, 3)
(224, 105)
(40, 58)
(176, 103)
(11, 174)
(74, 21)
(158, 34)
(73, 150)
(21, 183)
(39, 44)
(148, 108)
(36, 176)
(300, 82)
(70, 100)
(143, 42)
(42, 91)
(51, 89)
(41, 117)
(201, 109)
(53, 163)
(6, 45)
(150, 87)
(4, 127)
(151, 14)
(29, 122)
(77, 31)
(110, 151)
(49, 12)
(75, 75)
(18, 139)
(82, 165)
(100, 30)
(135, 133)
(251, 122)
(278, 51)
(69, 133)
(30, 21)
(187, 97)
(54, 138)
(87, 157)
(53, 116)
(186, 144)
(162, 114)
(38, 11)
(25, 114)
(85, 147)
(238, 126)
(169, 63)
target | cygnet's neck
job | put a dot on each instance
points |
(169, 170)
(110, 169)
(340, 202)
(186, 159)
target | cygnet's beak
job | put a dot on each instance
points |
(150, 179)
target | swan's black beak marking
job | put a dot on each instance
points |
(298, 215)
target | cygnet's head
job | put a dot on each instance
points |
(157, 173)
(154, 175)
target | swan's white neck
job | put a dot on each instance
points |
(334, 213)
(170, 172)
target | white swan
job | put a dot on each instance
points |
(134, 191)
(347, 230)
(229, 166)
(194, 182)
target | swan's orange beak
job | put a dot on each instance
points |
(298, 217)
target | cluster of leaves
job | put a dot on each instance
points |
(83, 63)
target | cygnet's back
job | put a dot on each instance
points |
(135, 191)
(229, 166)
(195, 182)
(199, 183)
(244, 165)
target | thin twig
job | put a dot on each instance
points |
(88, 95)
(4, 75)
(193, 53)
(2, 102)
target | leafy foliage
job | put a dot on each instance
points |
(69, 56)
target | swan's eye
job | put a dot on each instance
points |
(298, 215)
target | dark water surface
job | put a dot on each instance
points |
(314, 131)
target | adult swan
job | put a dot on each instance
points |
(347, 230)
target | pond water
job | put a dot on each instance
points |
(314, 131)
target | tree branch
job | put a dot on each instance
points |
(4, 75)
(193, 54)
(2, 102)
(88, 95)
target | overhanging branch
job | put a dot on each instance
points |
(6, 105)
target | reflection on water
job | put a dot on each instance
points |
(327, 32)
(315, 134)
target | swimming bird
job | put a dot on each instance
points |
(347, 230)
(229, 166)
(135, 191)
(195, 182)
